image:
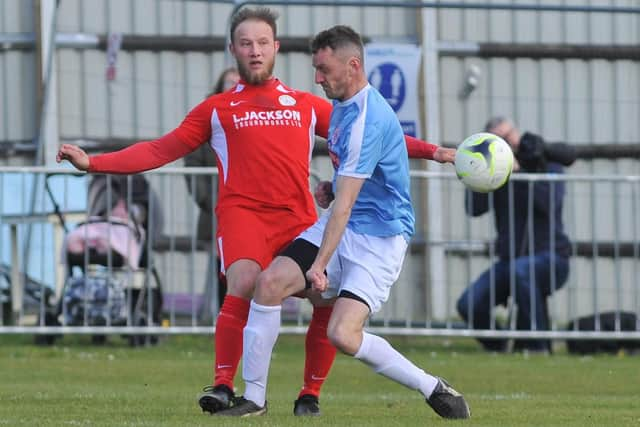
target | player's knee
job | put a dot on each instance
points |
(241, 278)
(269, 286)
(241, 285)
(342, 337)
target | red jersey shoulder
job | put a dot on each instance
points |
(222, 99)
(299, 95)
(286, 97)
(273, 95)
(273, 105)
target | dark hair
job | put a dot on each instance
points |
(338, 37)
(494, 121)
(219, 86)
(260, 14)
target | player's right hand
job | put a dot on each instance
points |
(444, 155)
(318, 279)
(75, 155)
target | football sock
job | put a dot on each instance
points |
(228, 339)
(260, 336)
(385, 360)
(319, 352)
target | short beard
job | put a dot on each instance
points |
(254, 79)
(332, 94)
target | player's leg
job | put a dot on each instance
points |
(319, 357)
(241, 277)
(222, 283)
(346, 333)
(368, 266)
(241, 246)
(281, 279)
(319, 353)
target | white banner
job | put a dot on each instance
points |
(393, 70)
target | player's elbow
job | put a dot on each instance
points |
(341, 211)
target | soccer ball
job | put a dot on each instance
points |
(484, 162)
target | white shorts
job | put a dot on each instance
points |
(364, 265)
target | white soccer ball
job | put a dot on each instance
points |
(484, 162)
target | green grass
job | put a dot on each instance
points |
(74, 383)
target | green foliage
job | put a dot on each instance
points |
(74, 383)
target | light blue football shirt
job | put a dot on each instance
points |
(366, 141)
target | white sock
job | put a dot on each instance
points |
(259, 338)
(385, 360)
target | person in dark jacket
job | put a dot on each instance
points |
(532, 247)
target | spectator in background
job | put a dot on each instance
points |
(201, 188)
(124, 213)
(531, 243)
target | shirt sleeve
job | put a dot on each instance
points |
(419, 149)
(361, 153)
(194, 130)
(141, 156)
(322, 109)
(544, 190)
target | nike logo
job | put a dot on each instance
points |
(313, 377)
(234, 103)
(223, 366)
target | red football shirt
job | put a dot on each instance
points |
(263, 137)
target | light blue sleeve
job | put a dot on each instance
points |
(362, 152)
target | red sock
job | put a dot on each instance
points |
(228, 338)
(319, 352)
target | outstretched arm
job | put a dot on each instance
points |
(141, 156)
(146, 155)
(136, 158)
(416, 148)
(419, 149)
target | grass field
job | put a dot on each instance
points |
(76, 384)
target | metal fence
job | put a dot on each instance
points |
(568, 71)
(164, 282)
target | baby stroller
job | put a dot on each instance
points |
(109, 280)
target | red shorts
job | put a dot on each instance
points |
(256, 234)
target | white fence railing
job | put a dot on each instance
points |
(61, 275)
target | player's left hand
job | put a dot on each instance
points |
(324, 194)
(75, 155)
(318, 279)
(444, 155)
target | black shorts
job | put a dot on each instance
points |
(303, 253)
(351, 295)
